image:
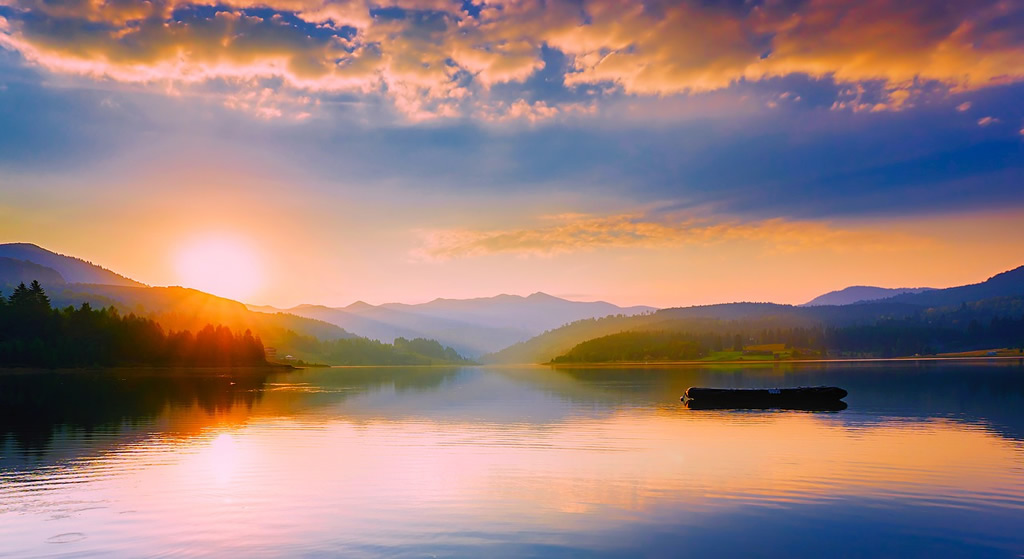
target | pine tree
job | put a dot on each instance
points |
(38, 295)
(19, 296)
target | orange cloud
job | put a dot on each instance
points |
(431, 63)
(573, 232)
(693, 49)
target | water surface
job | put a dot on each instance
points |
(928, 459)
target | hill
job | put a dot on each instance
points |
(940, 330)
(33, 334)
(860, 293)
(13, 272)
(1005, 284)
(999, 296)
(387, 325)
(179, 309)
(534, 313)
(971, 327)
(71, 281)
(71, 269)
(543, 347)
(472, 326)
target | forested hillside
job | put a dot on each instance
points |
(34, 334)
(555, 342)
(364, 351)
(937, 320)
(992, 323)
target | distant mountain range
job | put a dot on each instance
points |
(504, 328)
(860, 293)
(471, 326)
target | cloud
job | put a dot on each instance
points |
(987, 120)
(436, 58)
(579, 232)
(537, 111)
(268, 104)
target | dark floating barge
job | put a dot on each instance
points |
(811, 398)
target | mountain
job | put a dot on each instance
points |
(385, 324)
(544, 347)
(1000, 295)
(13, 272)
(859, 293)
(180, 308)
(73, 270)
(72, 281)
(1006, 284)
(535, 313)
(552, 343)
(471, 326)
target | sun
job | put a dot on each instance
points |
(221, 265)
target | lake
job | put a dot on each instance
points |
(927, 460)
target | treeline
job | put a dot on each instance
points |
(364, 351)
(640, 346)
(885, 338)
(559, 340)
(894, 338)
(34, 334)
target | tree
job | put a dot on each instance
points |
(33, 334)
(38, 295)
(20, 295)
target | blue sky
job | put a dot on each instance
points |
(450, 140)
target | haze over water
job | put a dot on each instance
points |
(928, 459)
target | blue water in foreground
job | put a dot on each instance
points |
(928, 460)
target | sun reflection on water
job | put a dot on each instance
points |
(221, 458)
(493, 460)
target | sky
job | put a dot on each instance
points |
(662, 153)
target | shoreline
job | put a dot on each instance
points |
(781, 361)
(268, 368)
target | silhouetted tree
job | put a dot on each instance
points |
(33, 334)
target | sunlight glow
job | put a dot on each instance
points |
(223, 459)
(224, 266)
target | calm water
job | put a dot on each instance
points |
(928, 460)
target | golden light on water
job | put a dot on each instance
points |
(347, 462)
